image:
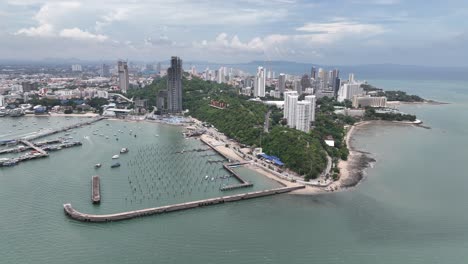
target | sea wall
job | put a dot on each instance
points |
(74, 214)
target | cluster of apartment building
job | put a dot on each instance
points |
(299, 114)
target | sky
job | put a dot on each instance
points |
(339, 32)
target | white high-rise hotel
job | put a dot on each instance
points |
(259, 85)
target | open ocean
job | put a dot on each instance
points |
(411, 208)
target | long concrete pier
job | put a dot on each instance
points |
(96, 190)
(74, 214)
(64, 128)
(55, 131)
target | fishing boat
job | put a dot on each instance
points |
(124, 150)
(115, 165)
(115, 157)
(98, 165)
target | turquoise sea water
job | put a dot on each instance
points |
(412, 206)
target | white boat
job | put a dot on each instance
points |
(206, 177)
(98, 165)
(124, 150)
(115, 157)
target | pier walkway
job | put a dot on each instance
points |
(74, 214)
(55, 131)
(31, 145)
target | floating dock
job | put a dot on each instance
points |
(74, 214)
(96, 190)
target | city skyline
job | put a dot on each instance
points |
(333, 33)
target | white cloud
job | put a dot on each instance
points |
(334, 31)
(47, 16)
(76, 33)
(119, 14)
(44, 30)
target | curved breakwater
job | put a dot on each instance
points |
(74, 214)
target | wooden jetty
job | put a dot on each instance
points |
(76, 215)
(96, 190)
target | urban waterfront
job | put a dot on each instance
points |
(411, 207)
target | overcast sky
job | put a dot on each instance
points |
(417, 32)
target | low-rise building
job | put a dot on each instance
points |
(367, 100)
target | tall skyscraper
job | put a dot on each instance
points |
(298, 86)
(321, 74)
(351, 78)
(123, 76)
(312, 100)
(259, 85)
(104, 72)
(305, 82)
(303, 113)
(158, 68)
(220, 78)
(281, 82)
(313, 73)
(174, 86)
(337, 86)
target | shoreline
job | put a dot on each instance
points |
(352, 170)
(425, 102)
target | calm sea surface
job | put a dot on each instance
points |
(411, 208)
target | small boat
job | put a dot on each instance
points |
(98, 165)
(124, 150)
(206, 177)
(115, 157)
(115, 165)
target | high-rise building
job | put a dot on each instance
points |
(76, 68)
(123, 76)
(286, 108)
(298, 86)
(292, 110)
(259, 85)
(104, 71)
(321, 74)
(336, 86)
(348, 90)
(313, 73)
(312, 100)
(281, 82)
(305, 82)
(302, 119)
(207, 74)
(351, 78)
(174, 86)
(158, 68)
(220, 78)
